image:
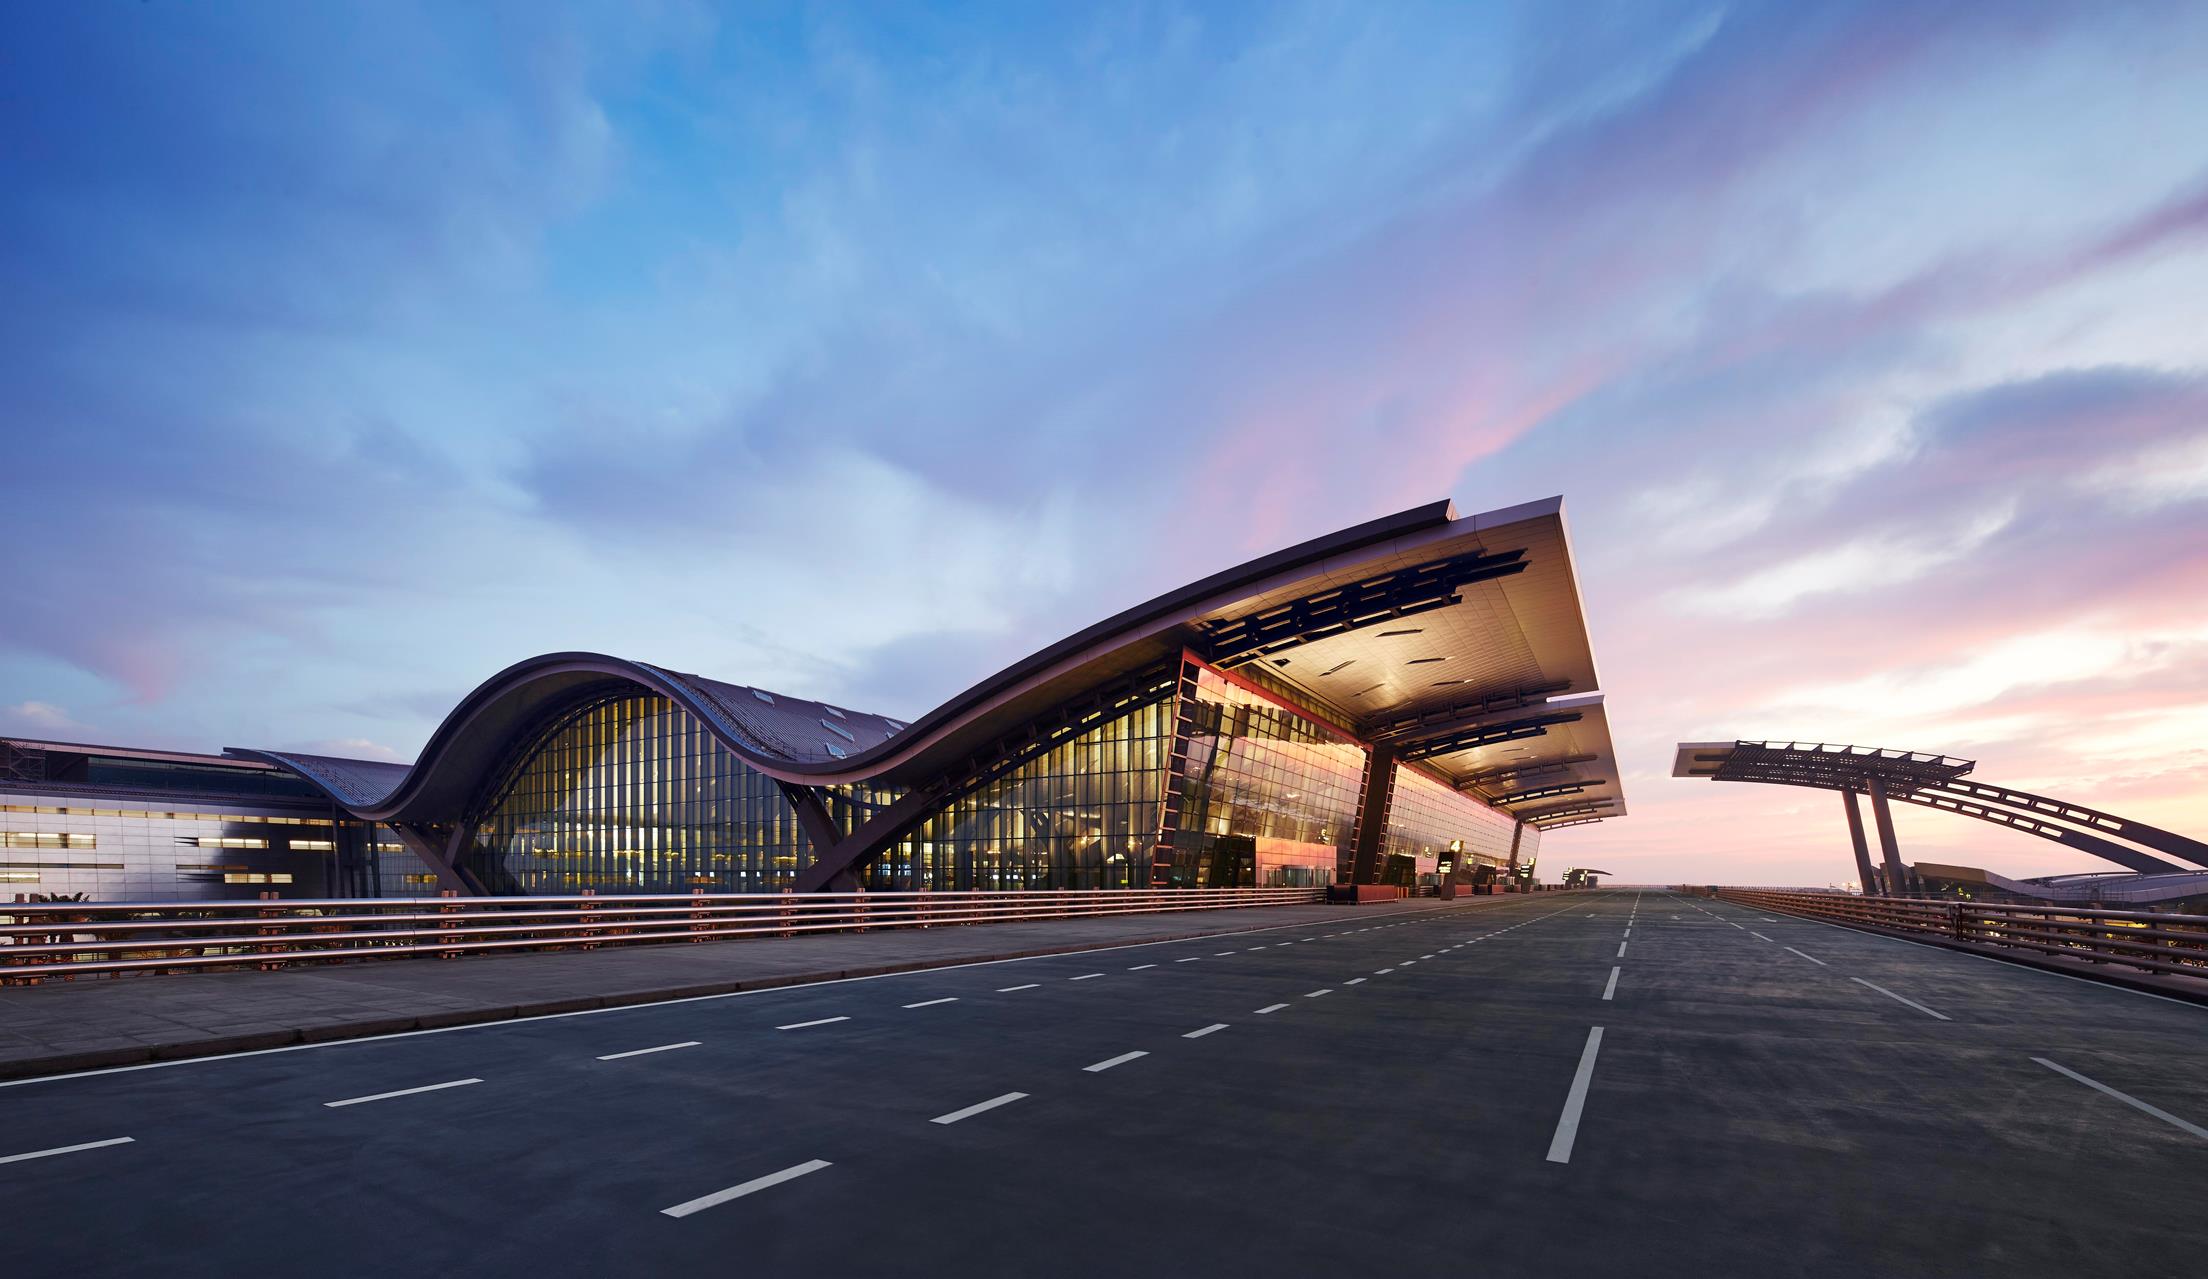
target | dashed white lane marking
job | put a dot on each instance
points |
(756, 1184)
(1903, 999)
(1382, 972)
(1314, 994)
(1139, 967)
(1271, 1008)
(1190, 960)
(1425, 956)
(663, 1048)
(1085, 977)
(403, 1092)
(1406, 963)
(1621, 949)
(1257, 948)
(1353, 981)
(1753, 933)
(979, 1106)
(1567, 1124)
(1315, 939)
(1221, 954)
(1629, 932)
(2095, 1084)
(930, 1003)
(1612, 987)
(1110, 1062)
(1811, 958)
(1206, 1030)
(817, 1021)
(1006, 990)
(65, 1150)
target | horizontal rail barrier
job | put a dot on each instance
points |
(2159, 943)
(42, 941)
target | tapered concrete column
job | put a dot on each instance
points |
(1372, 816)
(1897, 880)
(1863, 875)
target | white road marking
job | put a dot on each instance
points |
(639, 1052)
(1220, 954)
(1811, 958)
(1257, 948)
(1139, 967)
(1621, 950)
(1382, 972)
(1753, 933)
(930, 1003)
(65, 1150)
(1567, 1124)
(1006, 990)
(1110, 1062)
(1629, 931)
(1406, 963)
(1199, 1034)
(1271, 1008)
(817, 1021)
(1315, 939)
(1085, 977)
(2126, 1098)
(1612, 987)
(979, 1106)
(1190, 960)
(1314, 994)
(1891, 995)
(719, 1197)
(403, 1092)
(1425, 956)
(1353, 981)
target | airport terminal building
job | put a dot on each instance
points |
(1407, 701)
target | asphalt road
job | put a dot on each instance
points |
(1601, 1084)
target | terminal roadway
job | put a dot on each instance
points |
(1608, 1083)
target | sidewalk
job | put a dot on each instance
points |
(93, 1023)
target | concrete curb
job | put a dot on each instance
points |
(445, 1019)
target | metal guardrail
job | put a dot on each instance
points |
(2142, 939)
(42, 941)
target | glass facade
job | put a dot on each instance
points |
(1431, 823)
(1083, 814)
(1267, 796)
(633, 794)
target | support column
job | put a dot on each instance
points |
(1510, 881)
(1897, 880)
(1372, 816)
(1866, 882)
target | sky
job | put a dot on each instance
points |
(354, 352)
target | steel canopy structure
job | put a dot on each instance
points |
(1931, 781)
(1446, 649)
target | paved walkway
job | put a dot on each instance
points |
(93, 1023)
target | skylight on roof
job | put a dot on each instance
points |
(763, 696)
(835, 750)
(839, 730)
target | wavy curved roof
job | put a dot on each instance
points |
(1509, 639)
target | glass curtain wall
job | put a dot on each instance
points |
(1268, 796)
(1083, 814)
(633, 794)
(1429, 822)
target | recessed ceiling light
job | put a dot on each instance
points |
(1416, 630)
(1337, 666)
(1421, 661)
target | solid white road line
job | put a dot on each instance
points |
(930, 1003)
(1006, 990)
(719, 1197)
(1612, 987)
(1353, 981)
(1110, 1062)
(1567, 1124)
(65, 1150)
(1903, 999)
(1811, 958)
(1314, 994)
(404, 1092)
(817, 1021)
(979, 1106)
(1759, 936)
(639, 1052)
(1139, 967)
(1199, 1034)
(1271, 1008)
(1085, 977)
(1621, 950)
(2126, 1098)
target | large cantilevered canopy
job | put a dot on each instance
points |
(1937, 781)
(1459, 644)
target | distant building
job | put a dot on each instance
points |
(1404, 700)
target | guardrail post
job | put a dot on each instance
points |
(445, 927)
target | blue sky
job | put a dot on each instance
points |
(354, 352)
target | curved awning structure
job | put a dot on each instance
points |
(1459, 643)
